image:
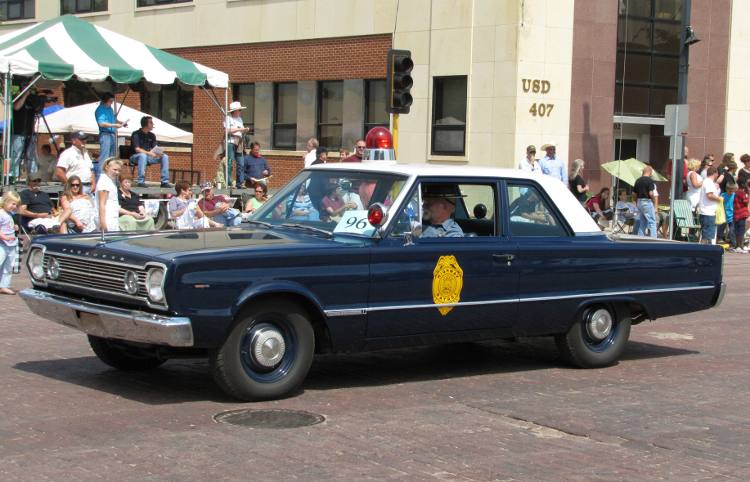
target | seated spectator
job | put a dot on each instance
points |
(598, 205)
(260, 197)
(46, 163)
(302, 207)
(36, 209)
(132, 211)
(79, 212)
(217, 208)
(147, 152)
(185, 210)
(626, 210)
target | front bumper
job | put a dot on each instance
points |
(720, 296)
(109, 321)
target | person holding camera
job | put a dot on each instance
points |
(23, 138)
(108, 125)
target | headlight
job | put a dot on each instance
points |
(36, 264)
(53, 268)
(130, 282)
(154, 285)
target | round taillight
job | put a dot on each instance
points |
(379, 138)
(376, 215)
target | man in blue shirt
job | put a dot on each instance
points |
(256, 166)
(553, 165)
(439, 203)
(108, 125)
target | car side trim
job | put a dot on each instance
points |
(364, 311)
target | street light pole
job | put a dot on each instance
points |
(687, 38)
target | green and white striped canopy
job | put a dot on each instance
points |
(66, 47)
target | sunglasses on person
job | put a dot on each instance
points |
(361, 147)
(76, 184)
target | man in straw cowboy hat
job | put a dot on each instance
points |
(439, 203)
(552, 164)
(236, 128)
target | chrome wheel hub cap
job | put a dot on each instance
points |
(599, 324)
(267, 346)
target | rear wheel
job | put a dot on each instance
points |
(267, 354)
(123, 356)
(596, 339)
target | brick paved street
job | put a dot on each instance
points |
(675, 408)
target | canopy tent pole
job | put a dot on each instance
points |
(226, 138)
(6, 130)
(31, 84)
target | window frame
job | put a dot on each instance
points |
(434, 128)
(158, 3)
(366, 126)
(160, 114)
(279, 125)
(22, 3)
(319, 111)
(80, 11)
(250, 108)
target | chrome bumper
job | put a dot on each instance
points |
(108, 321)
(722, 291)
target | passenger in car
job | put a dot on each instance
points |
(526, 207)
(439, 205)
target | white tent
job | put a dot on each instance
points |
(81, 118)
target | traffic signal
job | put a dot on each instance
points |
(399, 81)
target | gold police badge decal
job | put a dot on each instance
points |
(447, 281)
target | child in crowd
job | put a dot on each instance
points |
(741, 214)
(8, 240)
(726, 232)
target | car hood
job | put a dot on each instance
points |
(170, 243)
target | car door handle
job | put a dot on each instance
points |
(503, 258)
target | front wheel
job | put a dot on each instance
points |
(267, 354)
(122, 356)
(596, 339)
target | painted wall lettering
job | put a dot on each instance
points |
(536, 86)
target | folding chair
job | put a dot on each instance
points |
(685, 219)
(623, 221)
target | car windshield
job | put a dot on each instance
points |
(332, 201)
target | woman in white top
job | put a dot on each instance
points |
(106, 196)
(79, 213)
(694, 183)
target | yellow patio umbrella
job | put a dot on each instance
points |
(629, 170)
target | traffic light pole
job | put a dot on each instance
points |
(394, 132)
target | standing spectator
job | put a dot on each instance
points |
(106, 196)
(217, 208)
(133, 215)
(256, 167)
(46, 163)
(529, 162)
(321, 156)
(647, 200)
(79, 212)
(23, 138)
(708, 161)
(726, 230)
(311, 155)
(9, 241)
(236, 129)
(741, 213)
(36, 205)
(147, 152)
(709, 199)
(359, 152)
(75, 161)
(259, 199)
(743, 175)
(108, 125)
(578, 185)
(694, 183)
(730, 173)
(553, 165)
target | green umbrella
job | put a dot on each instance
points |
(629, 170)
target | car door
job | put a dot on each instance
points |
(425, 285)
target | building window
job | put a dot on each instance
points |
(16, 9)
(375, 113)
(330, 113)
(285, 115)
(648, 55)
(171, 104)
(153, 3)
(449, 115)
(245, 94)
(82, 6)
(78, 93)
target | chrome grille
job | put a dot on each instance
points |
(92, 274)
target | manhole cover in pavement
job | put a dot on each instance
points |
(271, 418)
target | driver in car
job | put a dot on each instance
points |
(439, 203)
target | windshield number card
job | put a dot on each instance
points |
(355, 222)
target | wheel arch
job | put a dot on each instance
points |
(621, 306)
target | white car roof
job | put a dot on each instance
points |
(575, 214)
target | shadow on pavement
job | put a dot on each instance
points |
(180, 381)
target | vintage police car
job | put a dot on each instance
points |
(340, 260)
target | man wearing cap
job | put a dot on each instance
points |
(108, 125)
(529, 163)
(439, 204)
(553, 165)
(75, 161)
(217, 207)
(235, 129)
(147, 152)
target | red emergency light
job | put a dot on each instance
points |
(379, 145)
